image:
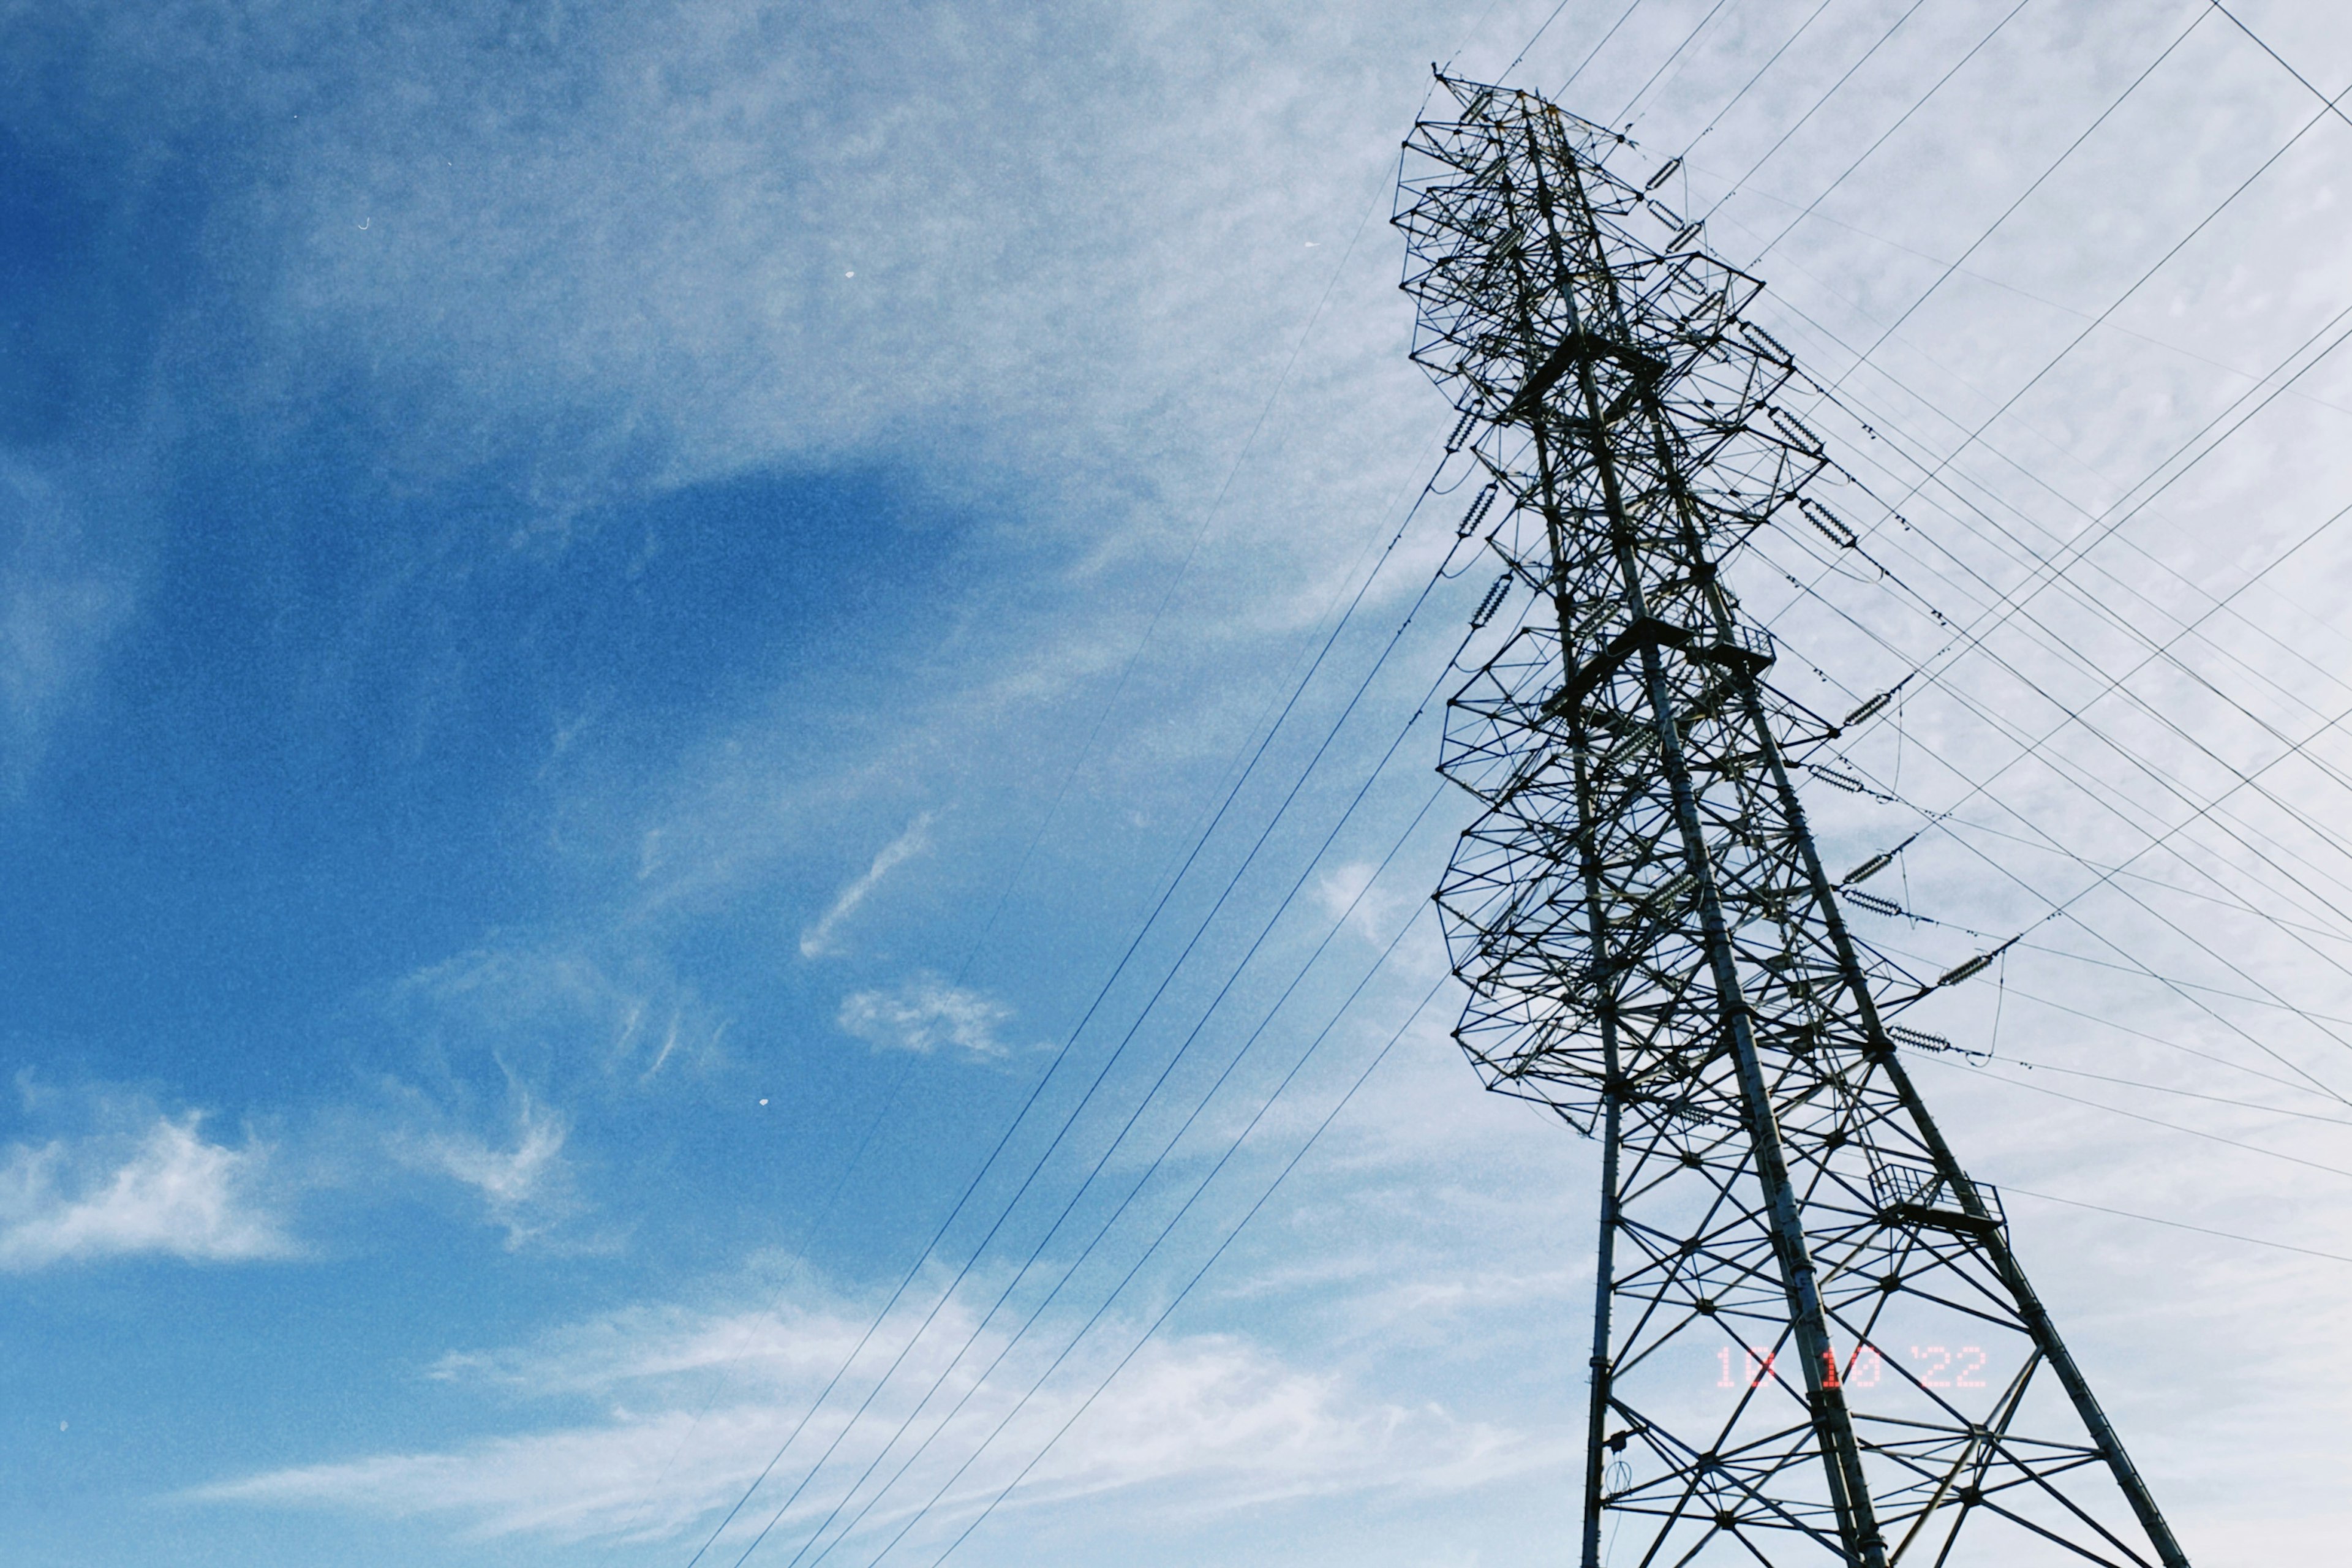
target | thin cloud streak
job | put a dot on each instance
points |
(924, 1013)
(818, 940)
(1225, 1422)
(525, 1188)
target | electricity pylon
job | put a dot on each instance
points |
(1812, 1342)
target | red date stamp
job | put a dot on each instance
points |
(1933, 1367)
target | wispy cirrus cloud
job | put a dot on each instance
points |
(523, 1178)
(922, 1014)
(820, 938)
(560, 1012)
(1220, 1422)
(165, 1190)
(62, 597)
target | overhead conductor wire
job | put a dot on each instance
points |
(2134, 84)
(1793, 579)
(1337, 924)
(1096, 1083)
(1289, 896)
(1254, 1210)
(1151, 918)
(1233, 1147)
(1206, 832)
(1101, 996)
(2057, 906)
(2331, 107)
(2011, 602)
(1159, 610)
(2073, 717)
(1210, 1262)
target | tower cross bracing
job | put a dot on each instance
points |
(1812, 1342)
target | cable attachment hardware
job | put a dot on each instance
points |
(1837, 780)
(1868, 868)
(1491, 603)
(1832, 526)
(1978, 964)
(1768, 345)
(1960, 971)
(1866, 710)
(1480, 505)
(1797, 433)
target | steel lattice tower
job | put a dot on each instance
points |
(1812, 1342)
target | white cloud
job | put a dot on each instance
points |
(1209, 1423)
(526, 1186)
(924, 1013)
(1195, 1407)
(561, 331)
(167, 1192)
(60, 601)
(586, 1022)
(1345, 892)
(817, 941)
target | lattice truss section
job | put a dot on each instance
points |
(1813, 1343)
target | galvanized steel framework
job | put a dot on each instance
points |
(1812, 1342)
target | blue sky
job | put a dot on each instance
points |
(611, 619)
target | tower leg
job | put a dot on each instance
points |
(1596, 1456)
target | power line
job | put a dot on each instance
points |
(2073, 716)
(2183, 1093)
(2023, 994)
(1110, 1148)
(2009, 602)
(1199, 1188)
(1623, 17)
(1770, 60)
(2008, 1187)
(1198, 1274)
(1943, 821)
(1101, 995)
(1069, 776)
(1166, 598)
(2008, 287)
(2173, 1126)
(2182, 244)
(1095, 1085)
(2037, 747)
(2022, 196)
(2057, 906)
(1088, 1098)
(1545, 26)
(2049, 571)
(1843, 398)
(1900, 121)
(1620, 120)
(2307, 84)
(2234, 905)
(1803, 120)
(2127, 94)
(2116, 513)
